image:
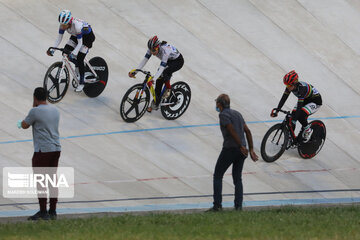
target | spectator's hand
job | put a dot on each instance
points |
(72, 57)
(50, 52)
(132, 73)
(253, 156)
(274, 112)
(244, 151)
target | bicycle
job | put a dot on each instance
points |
(57, 77)
(136, 100)
(281, 137)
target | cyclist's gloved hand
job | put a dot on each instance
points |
(18, 124)
(50, 52)
(274, 112)
(132, 73)
(72, 57)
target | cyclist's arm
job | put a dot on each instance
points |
(145, 60)
(283, 99)
(78, 46)
(79, 36)
(162, 66)
(59, 38)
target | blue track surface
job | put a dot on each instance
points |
(170, 128)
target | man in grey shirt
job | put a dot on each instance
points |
(44, 120)
(232, 126)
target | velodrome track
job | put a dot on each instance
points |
(239, 47)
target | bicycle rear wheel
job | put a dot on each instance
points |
(274, 143)
(134, 103)
(180, 100)
(95, 88)
(56, 82)
(314, 145)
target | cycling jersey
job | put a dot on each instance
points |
(166, 52)
(78, 29)
(305, 93)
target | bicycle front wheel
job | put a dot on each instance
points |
(274, 143)
(56, 82)
(134, 103)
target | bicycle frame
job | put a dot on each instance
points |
(66, 63)
(287, 123)
(148, 83)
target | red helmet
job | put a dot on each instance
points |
(291, 78)
(153, 43)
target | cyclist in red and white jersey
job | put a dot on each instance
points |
(171, 61)
(81, 40)
(309, 102)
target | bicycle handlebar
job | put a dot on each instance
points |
(144, 72)
(60, 49)
(280, 110)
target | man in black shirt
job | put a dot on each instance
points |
(234, 151)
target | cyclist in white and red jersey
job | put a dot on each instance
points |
(171, 61)
(309, 102)
(82, 38)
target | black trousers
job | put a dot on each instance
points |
(227, 157)
(46, 159)
(171, 67)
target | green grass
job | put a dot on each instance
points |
(281, 223)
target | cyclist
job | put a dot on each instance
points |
(171, 61)
(309, 102)
(82, 38)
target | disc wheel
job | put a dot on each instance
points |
(180, 100)
(314, 145)
(94, 89)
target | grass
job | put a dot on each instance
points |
(280, 223)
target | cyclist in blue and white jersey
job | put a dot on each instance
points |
(171, 61)
(82, 38)
(309, 102)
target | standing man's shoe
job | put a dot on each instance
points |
(39, 216)
(215, 209)
(52, 214)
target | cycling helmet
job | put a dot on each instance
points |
(65, 17)
(290, 78)
(153, 43)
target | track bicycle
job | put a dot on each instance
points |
(58, 75)
(281, 137)
(136, 100)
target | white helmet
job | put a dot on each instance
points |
(65, 17)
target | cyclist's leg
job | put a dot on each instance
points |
(306, 111)
(293, 113)
(159, 83)
(88, 39)
(70, 45)
(80, 63)
(172, 66)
